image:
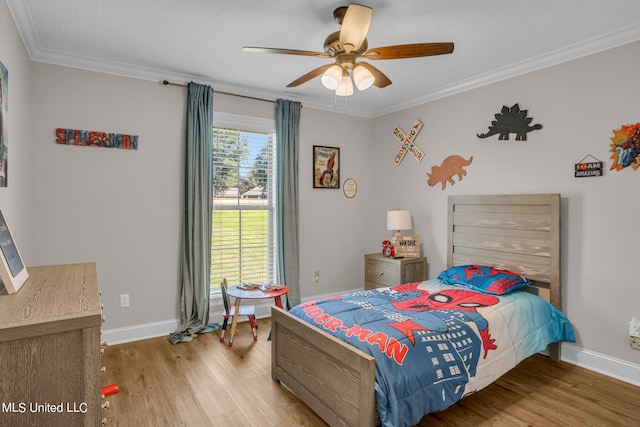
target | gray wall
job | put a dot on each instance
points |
(122, 208)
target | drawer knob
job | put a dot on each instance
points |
(381, 273)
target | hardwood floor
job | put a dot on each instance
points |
(207, 383)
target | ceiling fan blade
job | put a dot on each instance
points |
(355, 26)
(415, 50)
(285, 51)
(380, 79)
(311, 74)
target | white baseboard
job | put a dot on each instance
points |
(165, 327)
(140, 332)
(607, 365)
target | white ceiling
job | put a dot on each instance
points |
(201, 40)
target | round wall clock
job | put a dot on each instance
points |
(350, 188)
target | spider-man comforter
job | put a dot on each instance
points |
(435, 343)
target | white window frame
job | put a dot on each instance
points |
(251, 124)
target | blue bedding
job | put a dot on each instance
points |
(435, 343)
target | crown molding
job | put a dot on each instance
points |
(24, 24)
(589, 47)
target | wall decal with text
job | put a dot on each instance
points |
(96, 139)
(588, 169)
(407, 141)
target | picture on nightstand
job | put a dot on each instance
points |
(12, 271)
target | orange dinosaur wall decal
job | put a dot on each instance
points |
(450, 166)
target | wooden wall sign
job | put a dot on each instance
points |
(588, 169)
(88, 138)
(408, 144)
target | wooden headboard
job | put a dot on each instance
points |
(519, 233)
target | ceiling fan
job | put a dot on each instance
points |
(347, 46)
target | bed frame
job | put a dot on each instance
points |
(520, 233)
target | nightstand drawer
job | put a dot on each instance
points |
(382, 273)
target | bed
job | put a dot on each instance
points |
(518, 233)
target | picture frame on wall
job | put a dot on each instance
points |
(326, 167)
(12, 270)
(4, 111)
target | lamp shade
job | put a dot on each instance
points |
(363, 77)
(332, 77)
(399, 220)
(346, 86)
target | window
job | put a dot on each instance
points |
(243, 230)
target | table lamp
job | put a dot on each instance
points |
(398, 220)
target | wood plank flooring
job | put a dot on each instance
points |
(207, 383)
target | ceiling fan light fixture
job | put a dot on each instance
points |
(362, 77)
(332, 77)
(346, 86)
(348, 45)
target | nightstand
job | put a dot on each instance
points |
(381, 271)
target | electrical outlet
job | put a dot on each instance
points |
(316, 276)
(634, 327)
(124, 300)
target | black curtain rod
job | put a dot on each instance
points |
(167, 82)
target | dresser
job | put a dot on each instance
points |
(50, 349)
(381, 271)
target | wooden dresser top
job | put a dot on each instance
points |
(53, 299)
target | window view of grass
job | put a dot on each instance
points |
(240, 247)
(242, 226)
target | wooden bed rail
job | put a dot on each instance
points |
(333, 378)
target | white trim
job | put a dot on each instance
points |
(243, 123)
(140, 332)
(607, 365)
(20, 15)
(618, 37)
(165, 327)
(315, 297)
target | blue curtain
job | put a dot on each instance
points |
(287, 147)
(196, 216)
